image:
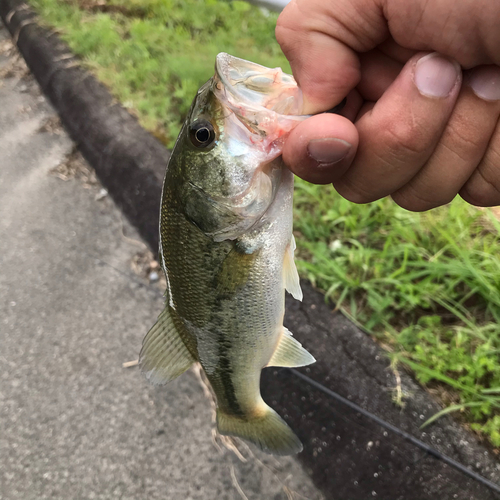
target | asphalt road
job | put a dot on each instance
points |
(75, 424)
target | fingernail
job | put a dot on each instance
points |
(328, 151)
(485, 82)
(436, 76)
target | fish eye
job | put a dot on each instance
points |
(202, 133)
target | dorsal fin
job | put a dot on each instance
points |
(290, 274)
(290, 353)
(163, 355)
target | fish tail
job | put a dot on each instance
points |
(268, 431)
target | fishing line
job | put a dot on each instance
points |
(395, 430)
(363, 429)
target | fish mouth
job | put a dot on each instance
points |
(265, 102)
(258, 86)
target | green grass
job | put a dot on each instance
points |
(426, 285)
(154, 54)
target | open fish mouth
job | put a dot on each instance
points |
(258, 86)
(266, 102)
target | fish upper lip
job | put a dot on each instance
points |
(221, 65)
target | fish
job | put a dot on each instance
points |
(227, 249)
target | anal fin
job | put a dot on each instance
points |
(163, 355)
(290, 353)
(290, 273)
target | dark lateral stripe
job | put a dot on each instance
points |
(224, 373)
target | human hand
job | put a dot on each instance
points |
(423, 83)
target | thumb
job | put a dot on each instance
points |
(321, 40)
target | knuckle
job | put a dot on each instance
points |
(415, 202)
(466, 144)
(281, 31)
(464, 137)
(288, 29)
(353, 193)
(403, 139)
(478, 198)
(481, 190)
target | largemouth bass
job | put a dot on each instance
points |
(226, 247)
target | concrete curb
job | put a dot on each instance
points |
(348, 455)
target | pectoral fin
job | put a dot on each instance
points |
(290, 274)
(163, 355)
(290, 353)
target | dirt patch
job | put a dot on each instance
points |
(496, 212)
(6, 47)
(75, 167)
(148, 268)
(15, 66)
(108, 8)
(52, 125)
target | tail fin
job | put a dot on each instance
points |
(269, 432)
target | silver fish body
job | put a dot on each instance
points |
(226, 247)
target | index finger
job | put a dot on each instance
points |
(322, 49)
